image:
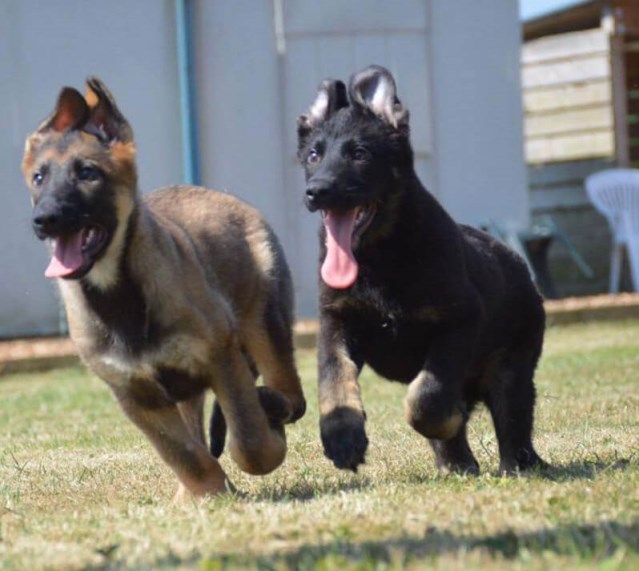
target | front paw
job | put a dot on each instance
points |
(344, 437)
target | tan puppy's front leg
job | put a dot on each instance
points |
(163, 424)
(257, 445)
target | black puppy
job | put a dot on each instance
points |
(422, 300)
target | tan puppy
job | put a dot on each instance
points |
(167, 295)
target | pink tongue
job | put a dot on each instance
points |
(67, 256)
(339, 269)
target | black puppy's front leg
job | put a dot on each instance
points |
(434, 403)
(433, 407)
(342, 415)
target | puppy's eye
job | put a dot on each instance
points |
(313, 157)
(361, 154)
(38, 178)
(89, 174)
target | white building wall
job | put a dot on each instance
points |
(477, 110)
(334, 39)
(239, 105)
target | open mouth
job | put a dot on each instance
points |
(74, 254)
(344, 229)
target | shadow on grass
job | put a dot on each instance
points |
(307, 490)
(587, 542)
(304, 491)
(584, 469)
(579, 542)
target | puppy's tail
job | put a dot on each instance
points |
(217, 430)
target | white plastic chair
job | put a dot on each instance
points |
(615, 193)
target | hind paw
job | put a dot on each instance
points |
(524, 460)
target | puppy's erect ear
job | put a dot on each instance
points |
(374, 88)
(331, 96)
(71, 111)
(105, 120)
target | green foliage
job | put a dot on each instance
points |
(80, 488)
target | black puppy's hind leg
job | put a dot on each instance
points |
(454, 455)
(511, 401)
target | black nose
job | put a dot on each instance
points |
(48, 218)
(317, 193)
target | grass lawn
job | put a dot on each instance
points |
(80, 488)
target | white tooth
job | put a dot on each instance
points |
(87, 237)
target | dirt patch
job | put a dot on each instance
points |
(36, 347)
(36, 353)
(46, 352)
(593, 301)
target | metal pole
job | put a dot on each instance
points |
(188, 116)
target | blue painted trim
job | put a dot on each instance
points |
(188, 115)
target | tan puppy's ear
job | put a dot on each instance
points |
(105, 119)
(90, 96)
(71, 112)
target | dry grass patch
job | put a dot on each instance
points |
(80, 488)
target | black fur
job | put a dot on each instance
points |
(437, 305)
(180, 385)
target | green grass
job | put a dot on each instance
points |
(80, 488)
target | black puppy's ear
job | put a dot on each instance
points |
(105, 120)
(71, 111)
(331, 96)
(374, 88)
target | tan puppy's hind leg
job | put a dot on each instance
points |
(270, 344)
(255, 445)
